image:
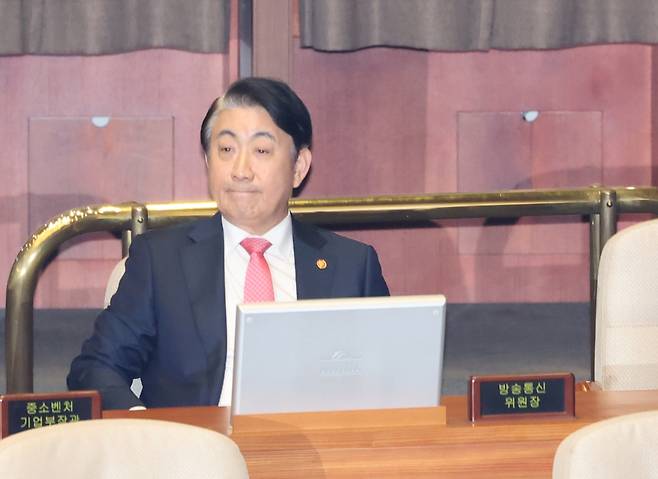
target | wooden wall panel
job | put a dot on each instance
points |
(507, 166)
(420, 259)
(74, 282)
(76, 161)
(399, 121)
(153, 84)
(557, 150)
(273, 29)
(368, 110)
(13, 179)
(386, 122)
(513, 278)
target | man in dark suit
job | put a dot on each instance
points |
(172, 321)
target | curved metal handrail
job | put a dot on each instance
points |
(601, 204)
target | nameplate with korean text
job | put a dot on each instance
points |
(24, 411)
(536, 395)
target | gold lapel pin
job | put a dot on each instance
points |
(321, 263)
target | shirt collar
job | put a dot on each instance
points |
(280, 236)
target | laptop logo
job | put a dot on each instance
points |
(341, 363)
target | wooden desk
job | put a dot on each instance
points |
(458, 449)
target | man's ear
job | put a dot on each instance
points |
(302, 165)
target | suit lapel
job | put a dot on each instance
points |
(314, 267)
(203, 266)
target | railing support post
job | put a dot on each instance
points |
(139, 220)
(608, 211)
(594, 255)
(602, 226)
(19, 331)
(126, 239)
(138, 224)
(601, 204)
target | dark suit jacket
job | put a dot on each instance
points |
(166, 323)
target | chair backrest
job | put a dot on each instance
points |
(626, 350)
(625, 446)
(121, 449)
(113, 281)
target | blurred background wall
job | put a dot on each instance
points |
(85, 129)
(421, 96)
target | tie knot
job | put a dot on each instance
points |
(255, 245)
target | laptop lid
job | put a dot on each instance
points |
(338, 354)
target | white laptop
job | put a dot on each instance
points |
(338, 354)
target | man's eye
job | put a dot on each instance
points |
(262, 151)
(225, 149)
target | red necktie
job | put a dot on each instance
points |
(258, 282)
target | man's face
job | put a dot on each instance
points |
(251, 168)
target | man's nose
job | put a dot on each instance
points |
(242, 167)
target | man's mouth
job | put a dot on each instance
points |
(241, 191)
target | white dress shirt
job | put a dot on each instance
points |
(281, 259)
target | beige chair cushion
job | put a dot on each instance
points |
(113, 281)
(626, 351)
(625, 446)
(121, 449)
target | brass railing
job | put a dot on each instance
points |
(602, 206)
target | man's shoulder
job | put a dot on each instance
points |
(183, 233)
(324, 238)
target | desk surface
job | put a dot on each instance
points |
(459, 449)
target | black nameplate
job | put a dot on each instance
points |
(21, 412)
(535, 395)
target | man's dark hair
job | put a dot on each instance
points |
(283, 105)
